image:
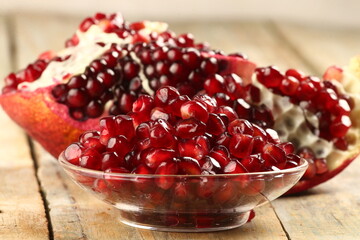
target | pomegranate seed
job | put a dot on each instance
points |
(165, 95)
(221, 155)
(215, 125)
(131, 69)
(289, 85)
(120, 145)
(241, 145)
(189, 166)
(306, 91)
(153, 157)
(242, 108)
(115, 182)
(253, 163)
(194, 109)
(190, 148)
(288, 147)
(321, 166)
(340, 126)
(110, 160)
(94, 109)
(77, 98)
(72, 153)
(228, 112)
(240, 126)
(214, 84)
(295, 73)
(207, 186)
(191, 58)
(144, 103)
(86, 24)
(210, 164)
(189, 128)
(207, 101)
(90, 159)
(225, 193)
(174, 54)
(234, 167)
(209, 66)
(166, 168)
(311, 170)
(269, 76)
(273, 155)
(161, 135)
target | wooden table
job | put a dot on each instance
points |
(38, 201)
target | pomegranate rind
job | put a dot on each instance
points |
(44, 119)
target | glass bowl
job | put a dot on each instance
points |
(185, 203)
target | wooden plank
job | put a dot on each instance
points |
(322, 47)
(329, 211)
(22, 214)
(251, 38)
(75, 214)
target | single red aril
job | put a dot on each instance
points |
(166, 168)
(207, 186)
(240, 126)
(194, 109)
(215, 125)
(273, 155)
(189, 128)
(90, 158)
(111, 160)
(165, 96)
(214, 84)
(120, 145)
(221, 155)
(72, 153)
(153, 157)
(242, 108)
(270, 76)
(188, 166)
(241, 145)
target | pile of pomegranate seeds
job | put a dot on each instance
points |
(322, 98)
(173, 134)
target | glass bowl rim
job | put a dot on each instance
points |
(101, 174)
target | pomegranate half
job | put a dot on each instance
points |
(319, 116)
(105, 66)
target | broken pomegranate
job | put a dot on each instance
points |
(318, 116)
(169, 160)
(104, 68)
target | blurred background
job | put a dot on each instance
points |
(342, 13)
(309, 35)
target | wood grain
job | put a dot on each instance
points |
(22, 213)
(322, 47)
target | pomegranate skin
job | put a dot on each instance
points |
(48, 122)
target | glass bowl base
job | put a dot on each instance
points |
(184, 222)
